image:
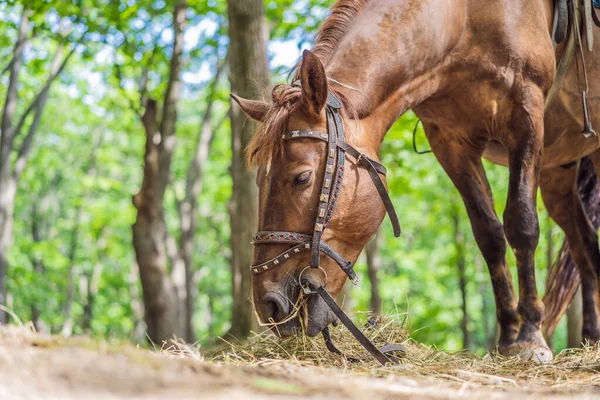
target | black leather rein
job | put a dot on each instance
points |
(337, 148)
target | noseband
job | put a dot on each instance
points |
(337, 148)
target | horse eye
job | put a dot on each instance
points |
(302, 178)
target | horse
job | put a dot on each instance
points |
(477, 74)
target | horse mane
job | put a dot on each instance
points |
(336, 26)
(267, 142)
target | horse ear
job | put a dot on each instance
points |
(252, 108)
(314, 84)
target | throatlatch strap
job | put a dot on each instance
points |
(381, 189)
(358, 335)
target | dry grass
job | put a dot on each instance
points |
(38, 366)
(574, 368)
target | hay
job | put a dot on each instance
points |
(573, 368)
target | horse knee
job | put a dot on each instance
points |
(492, 243)
(522, 230)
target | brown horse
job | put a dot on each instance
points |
(477, 74)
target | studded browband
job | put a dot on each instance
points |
(337, 148)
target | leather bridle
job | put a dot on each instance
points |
(337, 148)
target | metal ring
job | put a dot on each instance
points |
(307, 290)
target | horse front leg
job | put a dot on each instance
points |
(463, 165)
(521, 227)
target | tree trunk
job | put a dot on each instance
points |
(8, 190)
(249, 75)
(489, 333)
(575, 321)
(162, 305)
(67, 329)
(93, 284)
(462, 279)
(9, 171)
(8, 183)
(373, 266)
(188, 207)
(36, 261)
(149, 241)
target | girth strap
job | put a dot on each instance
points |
(358, 335)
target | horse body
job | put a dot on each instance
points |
(477, 75)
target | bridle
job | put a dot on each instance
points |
(337, 148)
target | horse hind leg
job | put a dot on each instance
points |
(561, 197)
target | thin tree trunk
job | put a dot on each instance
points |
(162, 305)
(211, 315)
(373, 266)
(8, 190)
(67, 329)
(188, 207)
(93, 284)
(9, 173)
(36, 261)
(575, 321)
(8, 183)
(462, 279)
(489, 332)
(249, 75)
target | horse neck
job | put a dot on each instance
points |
(389, 60)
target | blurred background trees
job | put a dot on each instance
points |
(105, 102)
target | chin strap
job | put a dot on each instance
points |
(379, 353)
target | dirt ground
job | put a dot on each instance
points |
(34, 366)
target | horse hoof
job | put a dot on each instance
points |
(541, 355)
(528, 352)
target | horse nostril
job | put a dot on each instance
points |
(278, 307)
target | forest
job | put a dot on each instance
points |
(126, 205)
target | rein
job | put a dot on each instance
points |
(337, 149)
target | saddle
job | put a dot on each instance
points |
(574, 19)
(563, 17)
